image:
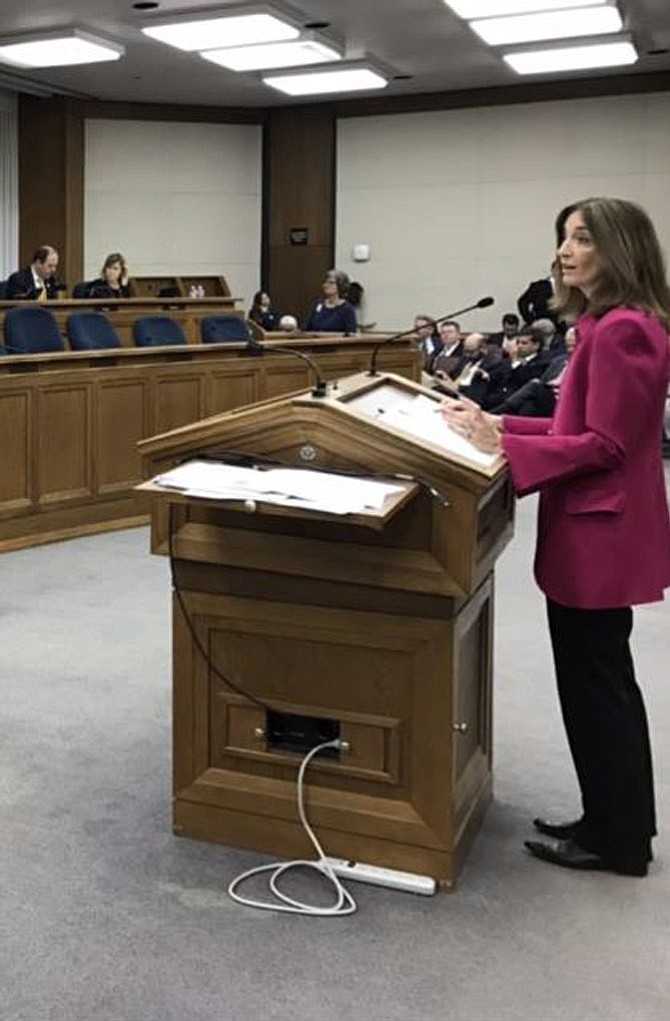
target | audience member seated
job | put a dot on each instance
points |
(37, 282)
(537, 398)
(262, 312)
(481, 373)
(288, 324)
(554, 341)
(451, 352)
(333, 313)
(113, 279)
(531, 361)
(430, 343)
(510, 329)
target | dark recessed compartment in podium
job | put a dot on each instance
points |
(376, 628)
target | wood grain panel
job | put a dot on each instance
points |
(285, 378)
(178, 400)
(64, 443)
(16, 433)
(51, 181)
(231, 389)
(122, 421)
(299, 192)
(71, 422)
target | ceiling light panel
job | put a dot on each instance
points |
(497, 8)
(318, 83)
(272, 55)
(526, 28)
(572, 58)
(59, 49)
(219, 33)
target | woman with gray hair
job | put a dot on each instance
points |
(333, 313)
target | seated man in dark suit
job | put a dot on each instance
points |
(537, 398)
(38, 281)
(532, 360)
(451, 349)
(510, 329)
(480, 374)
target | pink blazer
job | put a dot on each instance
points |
(603, 536)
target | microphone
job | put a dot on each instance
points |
(256, 348)
(372, 367)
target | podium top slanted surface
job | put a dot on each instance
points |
(383, 423)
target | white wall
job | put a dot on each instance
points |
(459, 204)
(9, 184)
(175, 198)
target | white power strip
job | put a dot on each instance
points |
(410, 882)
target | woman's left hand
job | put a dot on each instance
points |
(467, 418)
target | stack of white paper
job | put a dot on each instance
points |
(294, 487)
(421, 417)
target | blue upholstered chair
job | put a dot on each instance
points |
(219, 329)
(156, 331)
(91, 331)
(30, 331)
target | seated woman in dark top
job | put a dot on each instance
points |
(263, 313)
(333, 313)
(113, 279)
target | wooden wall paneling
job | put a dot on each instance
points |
(231, 388)
(51, 182)
(528, 92)
(63, 430)
(16, 429)
(122, 420)
(299, 193)
(71, 422)
(284, 377)
(472, 701)
(178, 398)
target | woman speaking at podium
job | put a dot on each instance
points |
(603, 540)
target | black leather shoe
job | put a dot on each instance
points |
(569, 855)
(559, 830)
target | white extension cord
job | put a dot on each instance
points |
(344, 903)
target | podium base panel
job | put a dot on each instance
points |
(408, 694)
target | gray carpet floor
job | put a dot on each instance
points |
(106, 915)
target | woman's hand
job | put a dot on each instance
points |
(467, 418)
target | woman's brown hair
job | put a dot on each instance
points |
(111, 260)
(633, 272)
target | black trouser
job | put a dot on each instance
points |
(606, 724)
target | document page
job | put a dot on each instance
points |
(295, 487)
(418, 416)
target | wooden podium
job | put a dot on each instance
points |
(375, 628)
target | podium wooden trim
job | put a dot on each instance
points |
(385, 631)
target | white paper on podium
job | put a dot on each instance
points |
(290, 487)
(421, 417)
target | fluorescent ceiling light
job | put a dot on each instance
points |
(528, 28)
(572, 58)
(217, 33)
(495, 8)
(59, 49)
(320, 82)
(257, 58)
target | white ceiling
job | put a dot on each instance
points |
(421, 38)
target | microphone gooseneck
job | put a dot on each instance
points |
(372, 367)
(255, 347)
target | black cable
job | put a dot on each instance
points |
(246, 458)
(191, 626)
